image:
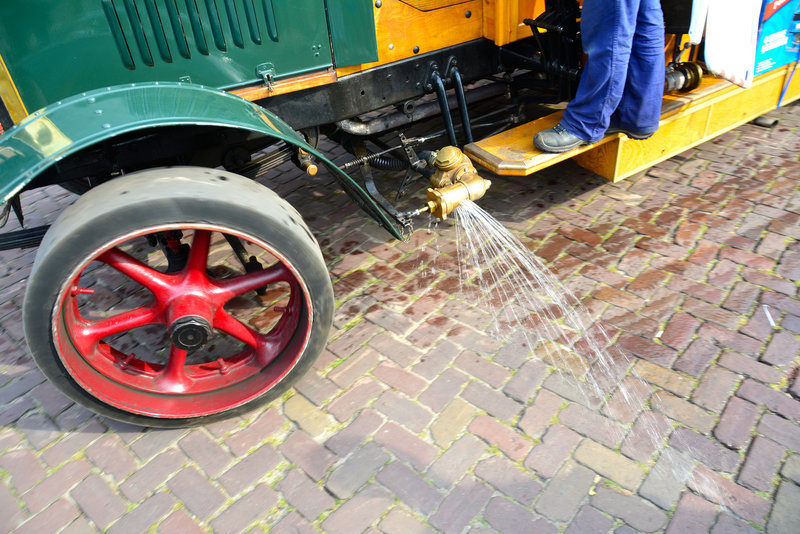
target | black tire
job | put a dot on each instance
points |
(105, 221)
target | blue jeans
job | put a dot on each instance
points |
(623, 79)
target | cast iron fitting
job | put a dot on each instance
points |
(444, 200)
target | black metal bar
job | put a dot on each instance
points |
(27, 238)
(250, 264)
(394, 120)
(462, 104)
(445, 109)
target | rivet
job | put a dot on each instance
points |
(416, 50)
(391, 46)
(106, 126)
(378, 3)
(468, 14)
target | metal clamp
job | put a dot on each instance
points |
(266, 72)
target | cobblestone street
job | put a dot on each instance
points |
(416, 418)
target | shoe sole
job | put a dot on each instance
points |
(556, 149)
(632, 135)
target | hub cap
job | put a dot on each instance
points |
(190, 333)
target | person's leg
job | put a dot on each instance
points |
(639, 109)
(607, 30)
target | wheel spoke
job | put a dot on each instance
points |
(198, 255)
(255, 280)
(135, 270)
(174, 378)
(122, 322)
(233, 327)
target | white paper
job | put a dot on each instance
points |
(731, 39)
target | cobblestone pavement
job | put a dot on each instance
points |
(415, 419)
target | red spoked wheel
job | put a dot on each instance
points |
(177, 296)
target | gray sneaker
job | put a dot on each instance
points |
(556, 139)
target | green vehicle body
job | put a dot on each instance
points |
(97, 69)
(55, 50)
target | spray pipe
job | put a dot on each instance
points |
(454, 181)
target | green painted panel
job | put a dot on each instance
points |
(352, 32)
(55, 49)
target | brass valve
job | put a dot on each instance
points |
(450, 164)
(444, 200)
(454, 181)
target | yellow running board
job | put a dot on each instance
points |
(687, 119)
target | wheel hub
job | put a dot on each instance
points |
(190, 333)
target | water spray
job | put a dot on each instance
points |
(454, 181)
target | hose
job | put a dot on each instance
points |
(388, 163)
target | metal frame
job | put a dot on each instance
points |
(387, 85)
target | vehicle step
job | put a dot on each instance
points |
(687, 119)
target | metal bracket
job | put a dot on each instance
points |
(266, 72)
(360, 151)
(450, 69)
(416, 166)
(433, 67)
(444, 71)
(16, 205)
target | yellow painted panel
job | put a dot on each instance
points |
(686, 121)
(673, 137)
(401, 27)
(718, 107)
(9, 94)
(503, 19)
(430, 5)
(604, 159)
(512, 152)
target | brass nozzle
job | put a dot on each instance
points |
(310, 168)
(306, 162)
(444, 200)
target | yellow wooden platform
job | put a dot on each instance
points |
(687, 119)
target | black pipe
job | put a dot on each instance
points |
(445, 109)
(462, 105)
(388, 163)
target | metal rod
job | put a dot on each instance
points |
(27, 238)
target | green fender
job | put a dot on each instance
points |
(53, 133)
